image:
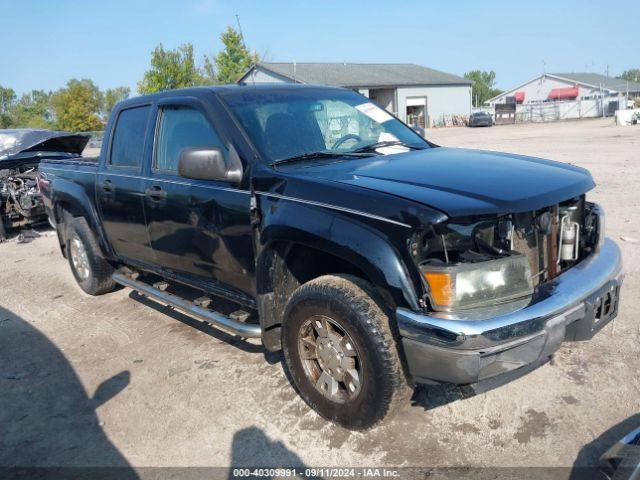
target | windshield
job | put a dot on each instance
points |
(289, 123)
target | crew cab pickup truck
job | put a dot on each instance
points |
(374, 259)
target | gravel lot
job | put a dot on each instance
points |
(112, 380)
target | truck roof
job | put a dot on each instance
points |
(230, 88)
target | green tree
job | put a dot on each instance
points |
(77, 106)
(483, 85)
(633, 75)
(7, 102)
(233, 60)
(209, 71)
(171, 69)
(111, 97)
(33, 110)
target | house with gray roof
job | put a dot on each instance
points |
(411, 92)
(550, 87)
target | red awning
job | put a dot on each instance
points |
(519, 97)
(564, 93)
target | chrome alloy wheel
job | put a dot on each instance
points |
(79, 258)
(330, 358)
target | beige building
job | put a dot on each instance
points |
(408, 91)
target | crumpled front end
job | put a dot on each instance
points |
(501, 293)
(20, 200)
(21, 151)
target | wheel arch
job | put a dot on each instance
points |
(71, 200)
(281, 268)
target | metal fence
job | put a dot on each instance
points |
(563, 110)
(554, 111)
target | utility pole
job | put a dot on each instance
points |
(626, 98)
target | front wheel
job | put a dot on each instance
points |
(340, 353)
(91, 271)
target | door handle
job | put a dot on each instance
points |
(155, 193)
(107, 186)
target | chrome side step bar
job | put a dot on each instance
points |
(235, 327)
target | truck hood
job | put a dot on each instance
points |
(463, 182)
(23, 145)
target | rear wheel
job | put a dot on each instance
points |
(91, 271)
(340, 353)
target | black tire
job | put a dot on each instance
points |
(94, 276)
(349, 302)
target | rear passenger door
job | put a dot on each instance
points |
(199, 229)
(119, 185)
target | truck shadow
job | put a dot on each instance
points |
(434, 396)
(206, 328)
(425, 396)
(27, 233)
(47, 420)
(587, 461)
(251, 447)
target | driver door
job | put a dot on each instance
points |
(199, 229)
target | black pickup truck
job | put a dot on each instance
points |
(374, 259)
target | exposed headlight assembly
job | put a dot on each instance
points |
(479, 284)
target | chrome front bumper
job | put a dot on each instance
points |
(479, 345)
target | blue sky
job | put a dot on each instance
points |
(45, 43)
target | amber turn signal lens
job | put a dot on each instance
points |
(441, 288)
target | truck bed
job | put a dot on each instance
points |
(80, 171)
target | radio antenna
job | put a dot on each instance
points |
(240, 30)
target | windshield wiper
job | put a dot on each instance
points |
(319, 154)
(386, 143)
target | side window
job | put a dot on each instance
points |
(181, 127)
(127, 146)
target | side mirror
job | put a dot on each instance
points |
(208, 163)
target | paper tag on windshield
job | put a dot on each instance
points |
(374, 112)
(390, 150)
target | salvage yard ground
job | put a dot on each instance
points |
(113, 380)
